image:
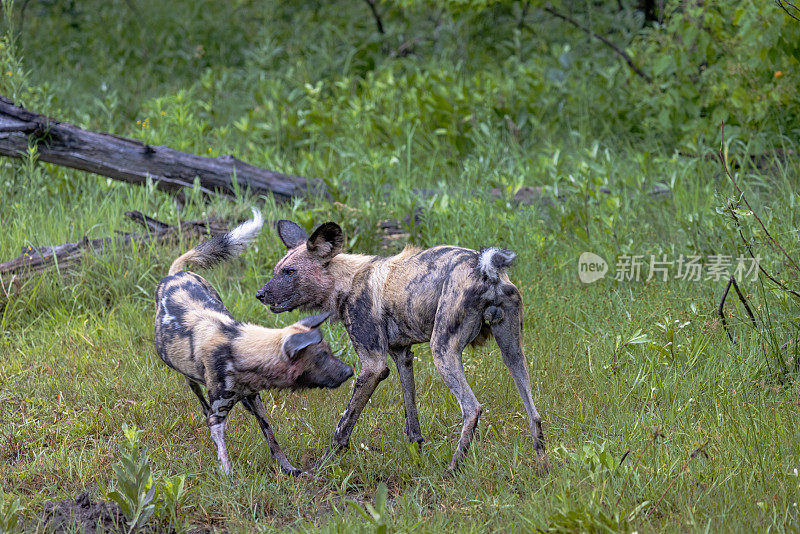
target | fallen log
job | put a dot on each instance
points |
(132, 161)
(171, 170)
(34, 260)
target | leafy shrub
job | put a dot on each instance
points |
(172, 501)
(135, 486)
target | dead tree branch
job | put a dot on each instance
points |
(617, 50)
(34, 260)
(135, 162)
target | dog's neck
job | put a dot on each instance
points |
(343, 269)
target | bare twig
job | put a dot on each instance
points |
(656, 434)
(783, 3)
(7, 292)
(699, 450)
(523, 14)
(744, 302)
(376, 16)
(621, 53)
(721, 309)
(406, 48)
(151, 224)
(744, 199)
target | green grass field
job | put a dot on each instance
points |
(654, 419)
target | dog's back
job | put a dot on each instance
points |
(405, 291)
(191, 323)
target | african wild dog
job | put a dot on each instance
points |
(447, 295)
(197, 336)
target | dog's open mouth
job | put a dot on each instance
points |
(281, 307)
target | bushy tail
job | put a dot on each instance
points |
(222, 247)
(494, 261)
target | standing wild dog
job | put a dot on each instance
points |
(198, 337)
(447, 295)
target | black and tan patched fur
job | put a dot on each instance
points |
(449, 296)
(197, 336)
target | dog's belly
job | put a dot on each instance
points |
(409, 333)
(177, 351)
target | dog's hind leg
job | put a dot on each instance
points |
(450, 336)
(404, 359)
(508, 334)
(254, 405)
(202, 398)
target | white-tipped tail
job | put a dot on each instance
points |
(493, 261)
(243, 234)
(222, 247)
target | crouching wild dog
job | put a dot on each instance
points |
(447, 295)
(197, 336)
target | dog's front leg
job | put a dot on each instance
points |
(404, 359)
(373, 371)
(369, 342)
(254, 405)
(221, 405)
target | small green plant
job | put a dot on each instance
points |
(596, 512)
(375, 515)
(135, 487)
(9, 513)
(668, 329)
(171, 500)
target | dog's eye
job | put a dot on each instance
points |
(288, 271)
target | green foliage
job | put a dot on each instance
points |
(171, 501)
(135, 488)
(375, 515)
(598, 468)
(13, 77)
(711, 67)
(10, 509)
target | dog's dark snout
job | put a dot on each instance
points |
(347, 372)
(336, 373)
(344, 372)
(261, 294)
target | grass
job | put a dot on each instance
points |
(76, 353)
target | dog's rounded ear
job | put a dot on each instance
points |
(326, 241)
(295, 343)
(313, 321)
(290, 233)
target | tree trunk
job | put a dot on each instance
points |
(132, 161)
